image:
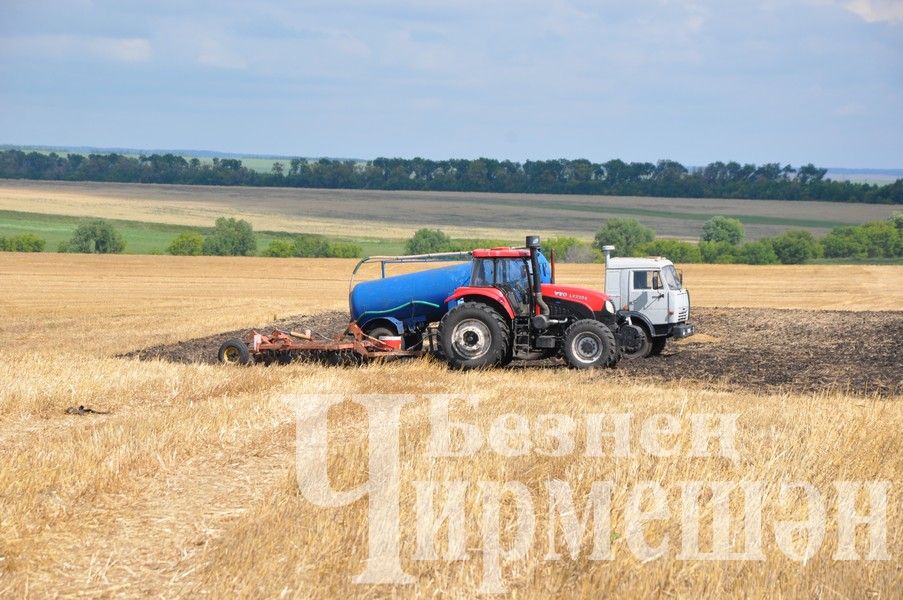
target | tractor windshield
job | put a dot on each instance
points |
(672, 280)
(501, 271)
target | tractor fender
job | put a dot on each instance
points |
(493, 295)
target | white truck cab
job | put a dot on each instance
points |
(650, 293)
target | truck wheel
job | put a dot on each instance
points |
(636, 343)
(588, 344)
(658, 344)
(473, 336)
(234, 352)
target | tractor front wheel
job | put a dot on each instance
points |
(473, 335)
(588, 344)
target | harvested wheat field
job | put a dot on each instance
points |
(187, 486)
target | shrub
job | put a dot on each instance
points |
(676, 250)
(795, 247)
(188, 243)
(882, 239)
(717, 252)
(231, 237)
(311, 246)
(897, 220)
(560, 245)
(624, 234)
(761, 252)
(845, 242)
(345, 250)
(25, 242)
(280, 249)
(582, 253)
(723, 229)
(95, 237)
(427, 241)
(569, 249)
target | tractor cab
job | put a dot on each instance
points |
(508, 270)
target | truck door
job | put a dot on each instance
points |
(649, 296)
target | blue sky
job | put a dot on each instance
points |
(696, 81)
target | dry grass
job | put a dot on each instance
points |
(187, 487)
(399, 214)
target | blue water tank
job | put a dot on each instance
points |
(414, 299)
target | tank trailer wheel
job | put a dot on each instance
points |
(473, 336)
(588, 344)
(658, 344)
(636, 343)
(378, 332)
(234, 352)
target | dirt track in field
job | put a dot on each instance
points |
(760, 349)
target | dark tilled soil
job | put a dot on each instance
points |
(794, 350)
(762, 349)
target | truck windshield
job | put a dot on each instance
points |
(669, 274)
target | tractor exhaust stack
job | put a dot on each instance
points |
(533, 245)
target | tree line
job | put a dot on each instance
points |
(666, 178)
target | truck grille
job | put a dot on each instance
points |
(683, 313)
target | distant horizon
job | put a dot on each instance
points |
(207, 153)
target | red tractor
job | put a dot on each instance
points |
(507, 312)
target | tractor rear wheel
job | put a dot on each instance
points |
(473, 335)
(636, 342)
(588, 344)
(234, 352)
(658, 344)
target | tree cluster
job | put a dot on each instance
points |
(666, 178)
(311, 246)
(94, 237)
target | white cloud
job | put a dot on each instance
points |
(876, 11)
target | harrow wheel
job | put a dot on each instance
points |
(234, 352)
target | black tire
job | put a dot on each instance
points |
(589, 344)
(473, 335)
(638, 344)
(234, 352)
(658, 344)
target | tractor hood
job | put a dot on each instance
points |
(594, 300)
